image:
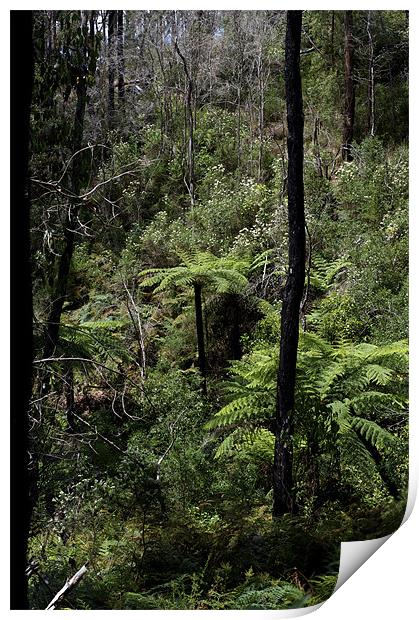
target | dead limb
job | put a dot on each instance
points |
(69, 585)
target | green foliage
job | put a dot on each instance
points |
(167, 492)
(341, 390)
(224, 274)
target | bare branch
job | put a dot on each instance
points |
(69, 585)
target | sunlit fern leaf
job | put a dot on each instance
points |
(373, 433)
(221, 274)
(397, 349)
(378, 374)
(328, 377)
(353, 453)
(258, 442)
(373, 399)
(254, 406)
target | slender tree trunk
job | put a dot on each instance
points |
(60, 288)
(261, 118)
(189, 110)
(236, 348)
(332, 40)
(121, 59)
(112, 26)
(22, 55)
(283, 457)
(349, 109)
(371, 80)
(239, 129)
(200, 335)
(69, 399)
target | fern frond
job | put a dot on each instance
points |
(373, 433)
(253, 406)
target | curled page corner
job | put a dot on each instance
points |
(355, 553)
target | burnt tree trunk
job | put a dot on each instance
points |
(21, 75)
(283, 457)
(349, 104)
(200, 335)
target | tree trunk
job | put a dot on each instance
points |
(371, 80)
(283, 457)
(60, 288)
(22, 55)
(200, 334)
(112, 26)
(349, 109)
(189, 110)
(236, 348)
(121, 59)
(332, 40)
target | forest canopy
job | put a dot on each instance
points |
(219, 259)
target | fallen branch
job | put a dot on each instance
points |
(69, 585)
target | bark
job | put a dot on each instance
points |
(332, 40)
(189, 110)
(236, 348)
(21, 75)
(371, 80)
(349, 105)
(261, 107)
(112, 26)
(200, 334)
(61, 283)
(69, 399)
(121, 59)
(283, 457)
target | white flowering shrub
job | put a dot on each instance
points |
(373, 183)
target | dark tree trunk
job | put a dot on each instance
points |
(200, 334)
(236, 348)
(69, 399)
(112, 26)
(60, 288)
(349, 109)
(22, 55)
(283, 457)
(121, 59)
(332, 40)
(371, 80)
(189, 121)
(386, 476)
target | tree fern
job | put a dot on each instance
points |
(340, 389)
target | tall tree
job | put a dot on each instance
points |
(371, 77)
(112, 28)
(21, 302)
(283, 457)
(121, 59)
(349, 104)
(190, 124)
(81, 67)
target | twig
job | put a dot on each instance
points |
(69, 585)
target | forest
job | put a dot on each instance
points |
(219, 315)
